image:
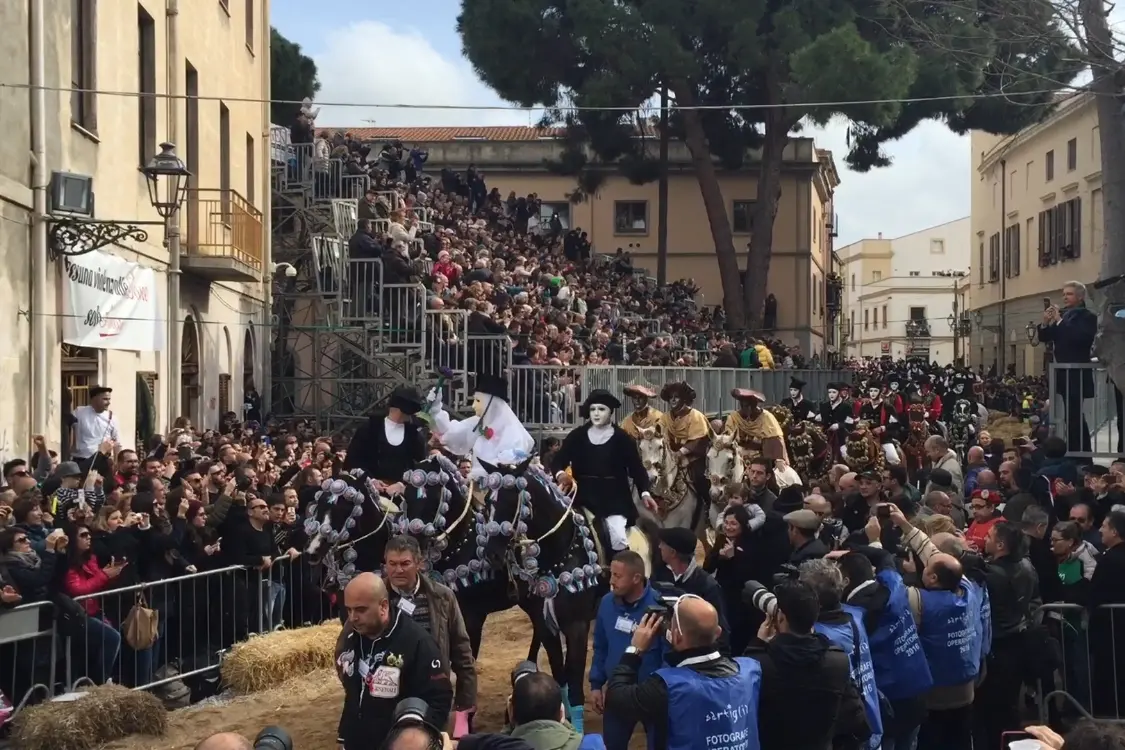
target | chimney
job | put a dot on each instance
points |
(880, 235)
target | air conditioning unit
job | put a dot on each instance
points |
(71, 194)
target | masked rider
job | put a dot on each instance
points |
(837, 416)
(389, 444)
(893, 393)
(754, 429)
(801, 408)
(885, 422)
(930, 400)
(687, 433)
(960, 388)
(643, 416)
(602, 459)
(494, 434)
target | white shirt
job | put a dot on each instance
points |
(92, 429)
(394, 431)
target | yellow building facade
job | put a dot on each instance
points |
(624, 215)
(191, 73)
(1036, 224)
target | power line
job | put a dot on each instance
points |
(516, 108)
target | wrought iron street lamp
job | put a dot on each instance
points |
(167, 178)
(1032, 331)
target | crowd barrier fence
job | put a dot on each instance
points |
(200, 616)
(1089, 662)
(1086, 409)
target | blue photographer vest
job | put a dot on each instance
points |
(985, 622)
(951, 634)
(707, 713)
(901, 670)
(863, 671)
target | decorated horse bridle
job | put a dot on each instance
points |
(339, 541)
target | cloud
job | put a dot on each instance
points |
(369, 62)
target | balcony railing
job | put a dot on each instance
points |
(222, 225)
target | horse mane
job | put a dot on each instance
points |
(553, 492)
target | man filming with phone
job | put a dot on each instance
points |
(1072, 330)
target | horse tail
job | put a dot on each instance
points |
(651, 530)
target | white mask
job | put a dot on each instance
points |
(599, 415)
(833, 394)
(873, 393)
(894, 386)
(794, 394)
(480, 403)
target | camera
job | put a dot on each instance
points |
(273, 738)
(883, 512)
(523, 669)
(413, 713)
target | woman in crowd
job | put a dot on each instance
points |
(732, 565)
(84, 577)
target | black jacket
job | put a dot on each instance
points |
(401, 663)
(702, 584)
(1013, 589)
(647, 702)
(1073, 338)
(808, 700)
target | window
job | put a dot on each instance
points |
(980, 265)
(915, 273)
(866, 319)
(1047, 254)
(876, 317)
(250, 24)
(918, 313)
(884, 316)
(853, 282)
(250, 176)
(191, 121)
(851, 324)
(876, 275)
(224, 159)
(1060, 233)
(1028, 234)
(630, 217)
(83, 64)
(994, 258)
(937, 247)
(742, 217)
(815, 292)
(547, 210)
(146, 103)
(224, 393)
(1072, 155)
(1012, 251)
(1049, 163)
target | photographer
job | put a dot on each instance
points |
(383, 657)
(697, 683)
(677, 552)
(808, 699)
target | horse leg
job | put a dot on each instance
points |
(475, 616)
(533, 650)
(551, 643)
(577, 634)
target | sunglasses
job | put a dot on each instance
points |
(21, 540)
(258, 507)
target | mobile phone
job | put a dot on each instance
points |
(1046, 302)
(1019, 741)
(184, 452)
(883, 512)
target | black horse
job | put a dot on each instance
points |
(550, 552)
(438, 511)
(348, 529)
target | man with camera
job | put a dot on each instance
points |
(677, 552)
(699, 698)
(433, 606)
(383, 657)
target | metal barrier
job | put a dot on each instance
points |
(447, 348)
(1086, 409)
(360, 290)
(200, 616)
(550, 395)
(345, 217)
(1086, 679)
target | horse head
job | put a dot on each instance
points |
(529, 521)
(724, 465)
(806, 444)
(345, 520)
(782, 414)
(916, 414)
(651, 447)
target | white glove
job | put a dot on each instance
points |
(819, 418)
(926, 415)
(434, 399)
(892, 420)
(849, 420)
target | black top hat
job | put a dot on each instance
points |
(797, 383)
(406, 399)
(492, 385)
(602, 397)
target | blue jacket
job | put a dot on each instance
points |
(613, 632)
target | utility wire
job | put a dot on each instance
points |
(516, 108)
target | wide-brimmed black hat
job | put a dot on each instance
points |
(406, 399)
(797, 383)
(491, 385)
(681, 389)
(600, 397)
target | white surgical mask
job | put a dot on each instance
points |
(599, 415)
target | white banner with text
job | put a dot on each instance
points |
(111, 303)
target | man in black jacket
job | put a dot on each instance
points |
(677, 552)
(382, 658)
(693, 634)
(1072, 331)
(808, 700)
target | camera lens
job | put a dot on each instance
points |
(273, 738)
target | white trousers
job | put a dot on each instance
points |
(891, 454)
(618, 534)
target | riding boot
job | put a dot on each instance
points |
(577, 718)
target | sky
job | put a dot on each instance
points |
(410, 53)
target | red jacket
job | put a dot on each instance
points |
(87, 579)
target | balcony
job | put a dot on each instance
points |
(222, 236)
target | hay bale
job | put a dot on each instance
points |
(267, 661)
(95, 717)
(1006, 427)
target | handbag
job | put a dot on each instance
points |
(141, 626)
(70, 616)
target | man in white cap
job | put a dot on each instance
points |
(494, 434)
(603, 458)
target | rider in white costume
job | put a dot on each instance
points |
(494, 434)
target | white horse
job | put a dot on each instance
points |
(726, 470)
(670, 483)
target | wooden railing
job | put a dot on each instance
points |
(223, 224)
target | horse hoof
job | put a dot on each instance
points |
(577, 719)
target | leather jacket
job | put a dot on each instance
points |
(1013, 588)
